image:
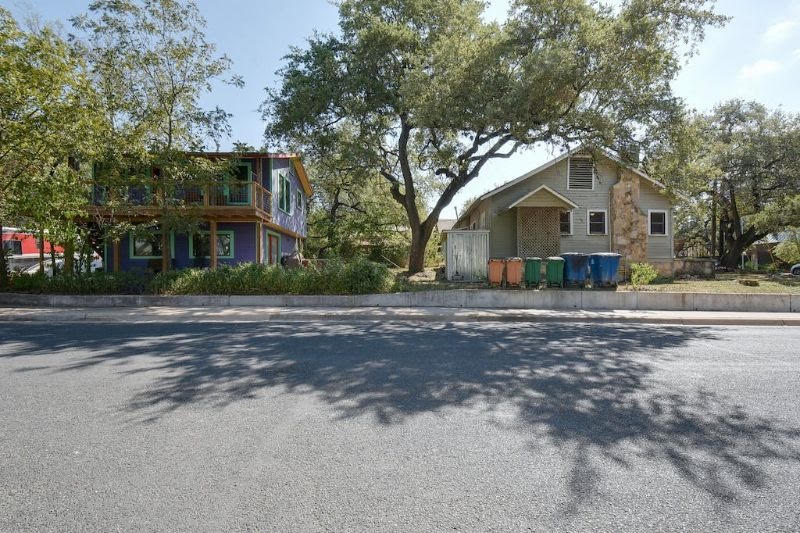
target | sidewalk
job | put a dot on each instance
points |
(425, 314)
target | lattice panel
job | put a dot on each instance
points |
(538, 232)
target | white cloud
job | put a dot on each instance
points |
(759, 69)
(780, 31)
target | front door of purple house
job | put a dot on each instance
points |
(272, 249)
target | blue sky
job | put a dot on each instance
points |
(756, 56)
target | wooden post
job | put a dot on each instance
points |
(117, 258)
(259, 238)
(212, 225)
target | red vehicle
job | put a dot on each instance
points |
(24, 247)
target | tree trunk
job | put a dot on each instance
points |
(420, 235)
(714, 220)
(3, 262)
(733, 255)
(165, 252)
(53, 259)
(41, 251)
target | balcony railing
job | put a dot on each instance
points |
(249, 194)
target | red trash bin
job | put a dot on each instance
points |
(496, 268)
(514, 271)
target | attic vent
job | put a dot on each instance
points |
(581, 173)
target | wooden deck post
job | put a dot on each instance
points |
(259, 237)
(212, 225)
(116, 262)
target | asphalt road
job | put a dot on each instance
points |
(412, 427)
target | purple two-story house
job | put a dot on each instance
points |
(258, 216)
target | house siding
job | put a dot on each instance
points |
(502, 221)
(658, 246)
(244, 249)
(503, 234)
(295, 220)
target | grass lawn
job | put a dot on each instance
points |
(723, 283)
(726, 283)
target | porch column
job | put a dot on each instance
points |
(116, 262)
(212, 225)
(259, 237)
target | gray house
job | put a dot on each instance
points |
(582, 201)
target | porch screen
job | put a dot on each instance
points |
(538, 231)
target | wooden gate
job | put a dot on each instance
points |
(467, 255)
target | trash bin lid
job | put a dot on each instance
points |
(513, 259)
(555, 258)
(533, 259)
(606, 254)
(574, 254)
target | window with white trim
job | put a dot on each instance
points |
(596, 222)
(565, 222)
(580, 173)
(657, 222)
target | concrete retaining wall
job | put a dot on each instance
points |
(470, 298)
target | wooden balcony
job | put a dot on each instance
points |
(231, 201)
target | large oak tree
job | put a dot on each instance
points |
(738, 168)
(435, 91)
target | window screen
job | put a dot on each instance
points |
(597, 222)
(565, 221)
(658, 223)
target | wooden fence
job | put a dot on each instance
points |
(467, 253)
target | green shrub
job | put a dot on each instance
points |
(84, 283)
(642, 274)
(788, 251)
(359, 276)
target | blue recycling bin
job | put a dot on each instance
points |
(604, 268)
(576, 268)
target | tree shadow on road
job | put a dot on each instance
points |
(590, 389)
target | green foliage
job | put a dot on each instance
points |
(742, 158)
(152, 66)
(788, 250)
(85, 283)
(642, 274)
(47, 105)
(330, 277)
(425, 92)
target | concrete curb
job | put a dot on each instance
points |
(586, 300)
(376, 314)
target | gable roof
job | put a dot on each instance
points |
(547, 190)
(552, 162)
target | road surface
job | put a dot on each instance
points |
(398, 426)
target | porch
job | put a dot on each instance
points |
(539, 218)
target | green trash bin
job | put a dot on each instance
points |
(533, 271)
(555, 271)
